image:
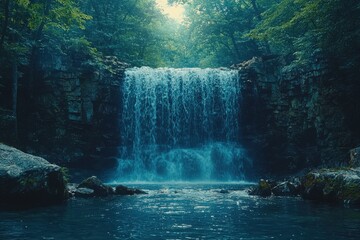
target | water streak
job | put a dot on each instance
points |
(180, 124)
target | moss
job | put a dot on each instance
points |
(332, 185)
(263, 185)
(65, 174)
(310, 180)
(350, 191)
(28, 182)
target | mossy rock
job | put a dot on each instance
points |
(99, 188)
(349, 191)
(263, 189)
(333, 185)
(286, 188)
(27, 180)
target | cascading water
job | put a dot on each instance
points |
(180, 125)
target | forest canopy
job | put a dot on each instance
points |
(213, 33)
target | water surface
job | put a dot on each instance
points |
(184, 211)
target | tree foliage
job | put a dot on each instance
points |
(217, 31)
(214, 32)
(302, 26)
(27, 24)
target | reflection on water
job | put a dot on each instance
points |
(184, 211)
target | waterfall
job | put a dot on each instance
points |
(180, 124)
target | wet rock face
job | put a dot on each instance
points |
(27, 180)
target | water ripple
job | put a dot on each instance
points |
(183, 212)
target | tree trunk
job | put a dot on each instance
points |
(37, 35)
(259, 17)
(15, 95)
(31, 79)
(237, 51)
(6, 23)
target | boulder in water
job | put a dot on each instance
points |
(27, 180)
(286, 188)
(75, 191)
(99, 188)
(84, 192)
(263, 189)
(93, 187)
(122, 190)
(266, 188)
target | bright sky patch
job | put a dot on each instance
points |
(175, 12)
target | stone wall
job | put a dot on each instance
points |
(296, 117)
(72, 117)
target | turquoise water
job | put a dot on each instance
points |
(181, 124)
(184, 211)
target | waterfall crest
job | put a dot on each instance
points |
(180, 124)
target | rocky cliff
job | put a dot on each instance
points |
(72, 117)
(293, 116)
(296, 117)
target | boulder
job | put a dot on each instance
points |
(75, 191)
(27, 180)
(84, 193)
(285, 188)
(266, 188)
(333, 186)
(93, 187)
(122, 190)
(99, 188)
(263, 189)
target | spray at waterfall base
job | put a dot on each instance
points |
(181, 125)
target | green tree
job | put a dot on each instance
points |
(27, 27)
(299, 27)
(131, 30)
(218, 30)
